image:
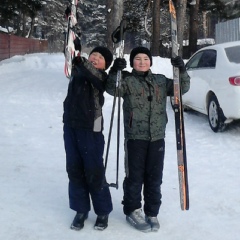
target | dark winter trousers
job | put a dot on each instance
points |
(84, 165)
(144, 168)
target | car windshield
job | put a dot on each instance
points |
(233, 54)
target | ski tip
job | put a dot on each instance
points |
(172, 8)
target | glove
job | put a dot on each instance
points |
(119, 64)
(78, 60)
(68, 11)
(178, 62)
(77, 44)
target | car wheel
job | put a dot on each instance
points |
(215, 115)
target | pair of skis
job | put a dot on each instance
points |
(72, 36)
(179, 121)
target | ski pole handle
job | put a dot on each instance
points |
(123, 26)
(118, 33)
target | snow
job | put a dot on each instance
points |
(33, 192)
(204, 41)
(6, 30)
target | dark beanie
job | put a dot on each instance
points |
(138, 50)
(105, 52)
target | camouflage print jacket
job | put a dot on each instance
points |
(144, 105)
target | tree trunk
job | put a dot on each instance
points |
(109, 23)
(181, 13)
(204, 13)
(156, 28)
(193, 28)
(147, 10)
(114, 17)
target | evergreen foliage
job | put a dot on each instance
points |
(45, 19)
(14, 14)
(93, 22)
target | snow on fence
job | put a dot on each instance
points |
(11, 45)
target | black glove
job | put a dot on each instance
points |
(68, 11)
(178, 62)
(119, 64)
(78, 60)
(77, 44)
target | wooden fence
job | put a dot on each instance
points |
(11, 45)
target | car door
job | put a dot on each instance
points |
(200, 69)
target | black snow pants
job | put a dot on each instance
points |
(144, 162)
(84, 165)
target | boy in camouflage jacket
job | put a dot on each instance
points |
(145, 118)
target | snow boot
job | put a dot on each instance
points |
(101, 222)
(137, 220)
(78, 221)
(153, 221)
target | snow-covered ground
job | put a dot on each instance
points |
(33, 191)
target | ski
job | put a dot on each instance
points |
(179, 120)
(71, 35)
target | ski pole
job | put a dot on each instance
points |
(117, 36)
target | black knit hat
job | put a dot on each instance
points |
(138, 50)
(105, 52)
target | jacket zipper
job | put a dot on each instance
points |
(150, 109)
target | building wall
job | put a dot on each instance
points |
(228, 31)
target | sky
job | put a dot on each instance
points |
(33, 192)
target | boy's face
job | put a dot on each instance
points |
(97, 60)
(141, 62)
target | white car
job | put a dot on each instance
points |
(215, 84)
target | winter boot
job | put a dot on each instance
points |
(137, 220)
(78, 221)
(153, 221)
(101, 222)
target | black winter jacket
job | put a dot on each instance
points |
(84, 101)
